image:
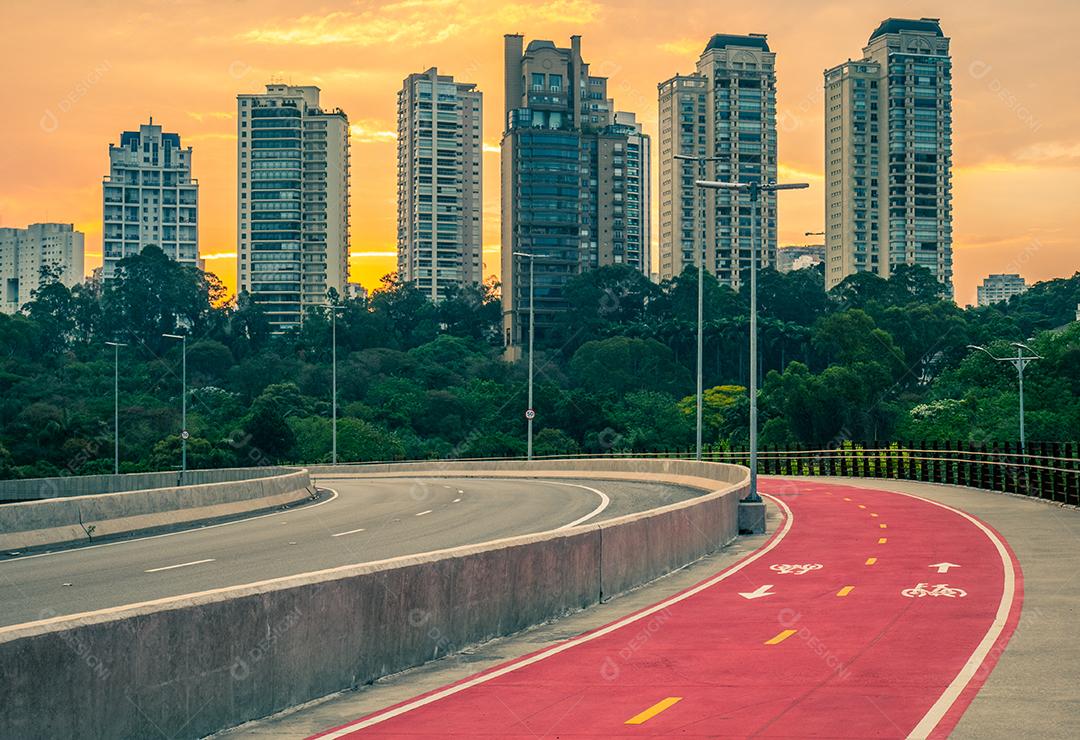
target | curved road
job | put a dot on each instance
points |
(868, 614)
(362, 521)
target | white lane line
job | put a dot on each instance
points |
(181, 565)
(425, 512)
(953, 691)
(460, 491)
(456, 501)
(168, 534)
(484, 678)
(351, 531)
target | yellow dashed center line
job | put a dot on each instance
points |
(846, 498)
(655, 709)
(882, 540)
(873, 514)
(884, 526)
(845, 590)
(871, 561)
(781, 637)
(862, 506)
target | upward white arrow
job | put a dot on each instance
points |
(943, 567)
(758, 592)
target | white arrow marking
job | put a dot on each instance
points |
(943, 567)
(758, 592)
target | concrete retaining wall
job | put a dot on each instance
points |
(190, 666)
(35, 489)
(70, 518)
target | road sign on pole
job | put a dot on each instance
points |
(530, 414)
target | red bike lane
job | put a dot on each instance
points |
(868, 613)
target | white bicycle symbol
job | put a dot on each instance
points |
(940, 589)
(795, 570)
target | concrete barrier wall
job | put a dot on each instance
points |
(190, 666)
(70, 519)
(34, 489)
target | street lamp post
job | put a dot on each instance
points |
(530, 412)
(116, 404)
(754, 190)
(333, 378)
(183, 401)
(1020, 362)
(700, 297)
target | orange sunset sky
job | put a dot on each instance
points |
(79, 73)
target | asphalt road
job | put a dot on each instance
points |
(366, 520)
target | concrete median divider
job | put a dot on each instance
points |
(193, 665)
(73, 517)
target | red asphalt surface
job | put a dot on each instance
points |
(871, 663)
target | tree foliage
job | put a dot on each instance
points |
(872, 359)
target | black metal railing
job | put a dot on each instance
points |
(1046, 470)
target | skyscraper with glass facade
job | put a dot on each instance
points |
(292, 201)
(575, 190)
(888, 154)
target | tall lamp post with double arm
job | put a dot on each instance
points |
(1020, 362)
(754, 191)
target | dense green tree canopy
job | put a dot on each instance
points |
(872, 359)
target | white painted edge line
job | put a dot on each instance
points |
(555, 650)
(953, 691)
(426, 511)
(604, 501)
(351, 531)
(166, 534)
(180, 565)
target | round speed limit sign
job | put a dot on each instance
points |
(530, 414)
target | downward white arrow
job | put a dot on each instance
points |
(758, 592)
(943, 567)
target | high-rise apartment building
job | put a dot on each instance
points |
(637, 179)
(440, 206)
(25, 254)
(575, 191)
(724, 113)
(150, 198)
(888, 154)
(997, 288)
(292, 201)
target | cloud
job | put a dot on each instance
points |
(683, 47)
(1061, 153)
(210, 136)
(211, 116)
(787, 173)
(414, 22)
(368, 132)
(219, 256)
(492, 148)
(373, 253)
